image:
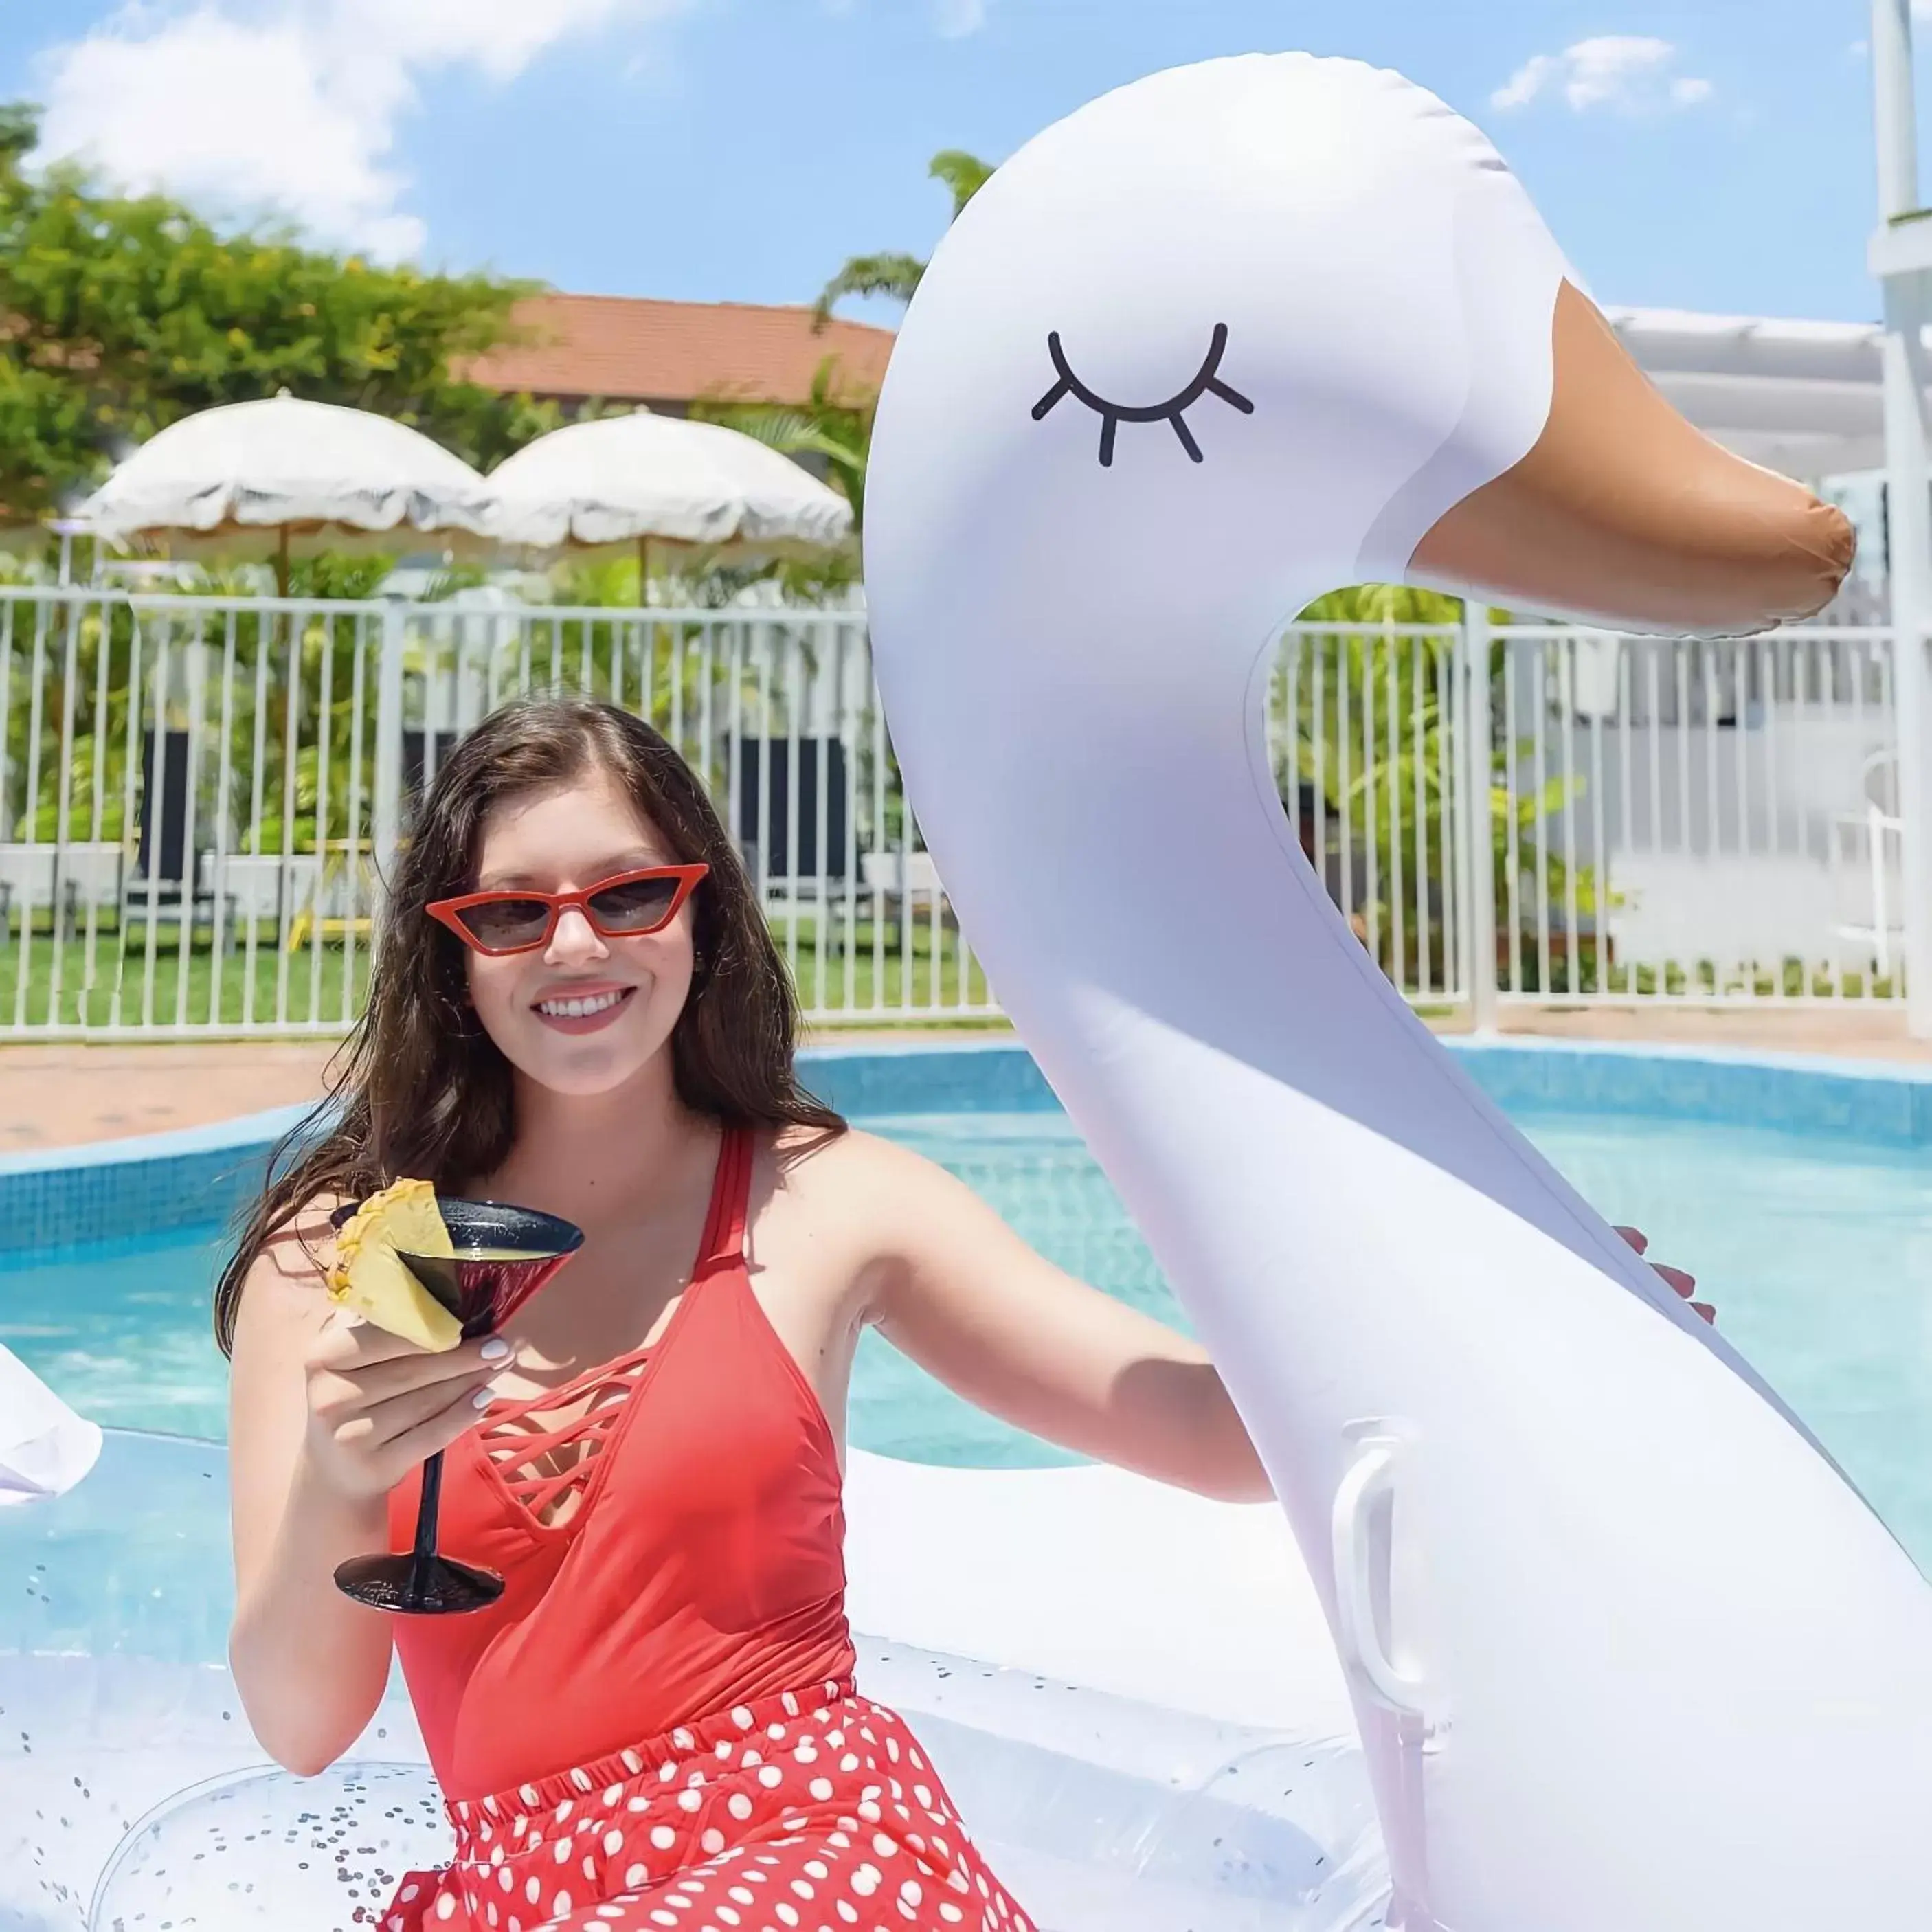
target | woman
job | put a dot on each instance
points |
(656, 1725)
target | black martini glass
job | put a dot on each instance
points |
(504, 1255)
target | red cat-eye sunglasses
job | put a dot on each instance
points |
(627, 907)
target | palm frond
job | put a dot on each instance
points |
(964, 175)
(777, 425)
(896, 276)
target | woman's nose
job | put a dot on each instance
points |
(574, 941)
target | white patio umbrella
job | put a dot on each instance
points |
(248, 479)
(642, 479)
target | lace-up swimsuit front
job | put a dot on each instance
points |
(656, 1726)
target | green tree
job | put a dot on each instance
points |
(120, 313)
(897, 276)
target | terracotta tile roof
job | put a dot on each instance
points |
(626, 348)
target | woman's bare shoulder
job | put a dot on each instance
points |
(811, 1159)
(882, 1193)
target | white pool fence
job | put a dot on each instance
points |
(199, 798)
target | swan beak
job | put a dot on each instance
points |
(1623, 514)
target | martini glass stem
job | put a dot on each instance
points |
(424, 1567)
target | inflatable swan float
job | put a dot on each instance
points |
(1627, 1655)
(1625, 1649)
(45, 1448)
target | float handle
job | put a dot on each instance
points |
(1368, 1478)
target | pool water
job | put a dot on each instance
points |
(1819, 1256)
(123, 1329)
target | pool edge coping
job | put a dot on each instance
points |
(238, 1131)
(263, 1128)
(1907, 1072)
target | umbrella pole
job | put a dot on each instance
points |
(282, 563)
(644, 571)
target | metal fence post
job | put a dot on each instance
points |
(1903, 262)
(388, 798)
(1479, 892)
(1913, 689)
(1909, 463)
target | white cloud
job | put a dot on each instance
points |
(1527, 83)
(1631, 72)
(954, 19)
(291, 105)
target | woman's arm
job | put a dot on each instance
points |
(967, 1299)
(325, 1415)
(958, 1292)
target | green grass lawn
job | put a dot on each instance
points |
(876, 969)
(111, 981)
(883, 972)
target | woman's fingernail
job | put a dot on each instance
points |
(483, 1398)
(495, 1349)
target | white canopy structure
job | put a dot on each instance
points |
(1806, 398)
(245, 478)
(619, 482)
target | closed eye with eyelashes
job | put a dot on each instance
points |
(1207, 382)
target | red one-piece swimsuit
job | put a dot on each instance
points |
(656, 1726)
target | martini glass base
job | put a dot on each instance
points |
(416, 1586)
(502, 1256)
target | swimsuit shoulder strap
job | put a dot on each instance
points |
(724, 1243)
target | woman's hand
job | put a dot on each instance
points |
(1685, 1284)
(379, 1406)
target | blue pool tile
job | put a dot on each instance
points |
(60, 1197)
(63, 1196)
(1876, 1103)
(997, 1078)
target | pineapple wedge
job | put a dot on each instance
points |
(369, 1276)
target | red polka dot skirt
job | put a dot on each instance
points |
(807, 1812)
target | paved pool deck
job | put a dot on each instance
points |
(57, 1094)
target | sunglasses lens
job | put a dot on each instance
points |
(639, 905)
(506, 922)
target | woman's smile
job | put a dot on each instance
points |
(580, 1009)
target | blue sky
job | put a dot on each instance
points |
(1714, 155)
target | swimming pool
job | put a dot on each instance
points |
(1814, 1236)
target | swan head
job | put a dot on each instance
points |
(1242, 332)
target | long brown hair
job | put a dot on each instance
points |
(421, 1091)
